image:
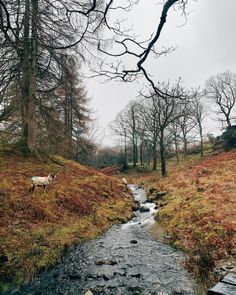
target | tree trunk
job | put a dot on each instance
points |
(201, 138)
(28, 89)
(185, 144)
(144, 152)
(176, 150)
(141, 153)
(154, 152)
(228, 120)
(149, 151)
(162, 155)
(125, 163)
(134, 150)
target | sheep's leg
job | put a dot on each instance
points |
(32, 187)
(44, 188)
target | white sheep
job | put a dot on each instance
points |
(41, 181)
(124, 180)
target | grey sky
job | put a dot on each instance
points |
(206, 45)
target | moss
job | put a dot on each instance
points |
(220, 231)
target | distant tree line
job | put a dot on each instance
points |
(156, 126)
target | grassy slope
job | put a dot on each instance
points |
(200, 212)
(36, 228)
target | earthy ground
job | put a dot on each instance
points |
(36, 228)
(198, 213)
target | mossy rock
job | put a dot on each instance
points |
(157, 196)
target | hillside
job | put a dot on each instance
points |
(36, 228)
(197, 213)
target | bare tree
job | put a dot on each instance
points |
(175, 131)
(169, 113)
(199, 113)
(132, 116)
(158, 113)
(149, 116)
(121, 128)
(186, 124)
(221, 89)
(139, 50)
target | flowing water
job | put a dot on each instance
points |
(126, 260)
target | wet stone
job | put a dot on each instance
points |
(108, 276)
(74, 276)
(133, 272)
(98, 290)
(16, 292)
(105, 261)
(121, 272)
(144, 209)
(135, 288)
(114, 284)
(133, 242)
(177, 291)
(93, 276)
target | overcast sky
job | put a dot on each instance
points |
(205, 46)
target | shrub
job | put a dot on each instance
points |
(229, 137)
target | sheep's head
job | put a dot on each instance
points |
(51, 175)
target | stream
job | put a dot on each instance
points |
(125, 260)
